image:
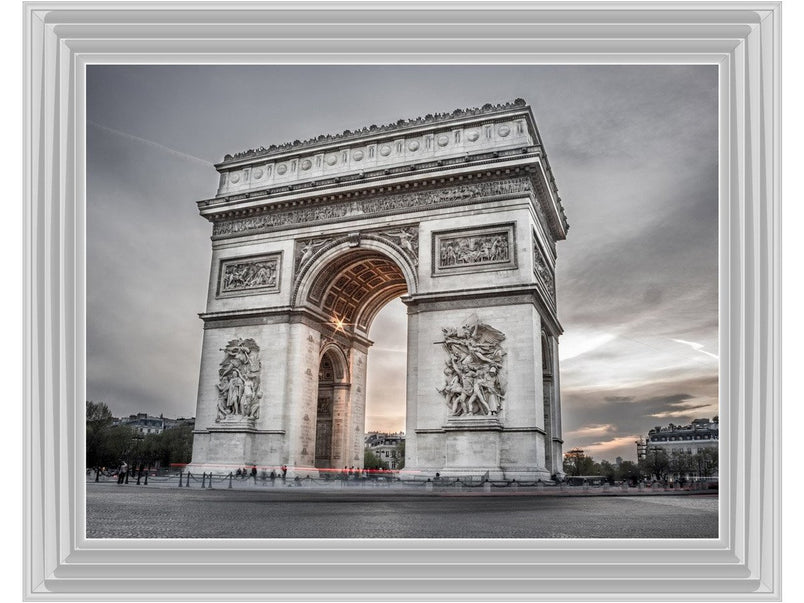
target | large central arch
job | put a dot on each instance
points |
(346, 283)
(457, 214)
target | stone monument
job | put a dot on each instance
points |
(456, 213)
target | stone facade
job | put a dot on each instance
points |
(691, 438)
(459, 215)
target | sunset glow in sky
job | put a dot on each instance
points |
(634, 153)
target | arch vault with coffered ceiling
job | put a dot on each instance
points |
(458, 214)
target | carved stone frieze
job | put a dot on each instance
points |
(404, 238)
(543, 272)
(306, 249)
(238, 386)
(375, 205)
(474, 375)
(258, 274)
(471, 249)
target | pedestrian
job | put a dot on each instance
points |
(284, 472)
(122, 473)
(254, 474)
(273, 477)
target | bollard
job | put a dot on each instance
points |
(203, 480)
(127, 476)
(188, 480)
(181, 476)
(230, 479)
(97, 474)
(139, 475)
(146, 477)
(209, 485)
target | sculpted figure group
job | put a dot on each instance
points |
(474, 381)
(239, 381)
(249, 275)
(474, 250)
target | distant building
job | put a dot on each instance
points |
(145, 424)
(142, 423)
(701, 433)
(181, 421)
(385, 446)
(642, 449)
(692, 439)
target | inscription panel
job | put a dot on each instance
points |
(474, 249)
(249, 275)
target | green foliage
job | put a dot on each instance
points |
(607, 470)
(166, 448)
(577, 463)
(372, 461)
(108, 445)
(400, 455)
(628, 471)
(656, 464)
(705, 462)
(681, 462)
(98, 414)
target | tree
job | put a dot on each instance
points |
(680, 463)
(372, 461)
(629, 471)
(705, 461)
(608, 471)
(105, 443)
(655, 463)
(172, 446)
(98, 414)
(400, 455)
(577, 463)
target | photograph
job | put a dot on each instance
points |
(402, 301)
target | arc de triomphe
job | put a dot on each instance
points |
(456, 213)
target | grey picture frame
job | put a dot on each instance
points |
(742, 38)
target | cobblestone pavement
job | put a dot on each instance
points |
(130, 511)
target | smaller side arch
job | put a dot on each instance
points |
(340, 362)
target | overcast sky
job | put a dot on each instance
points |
(633, 150)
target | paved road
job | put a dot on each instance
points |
(143, 512)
